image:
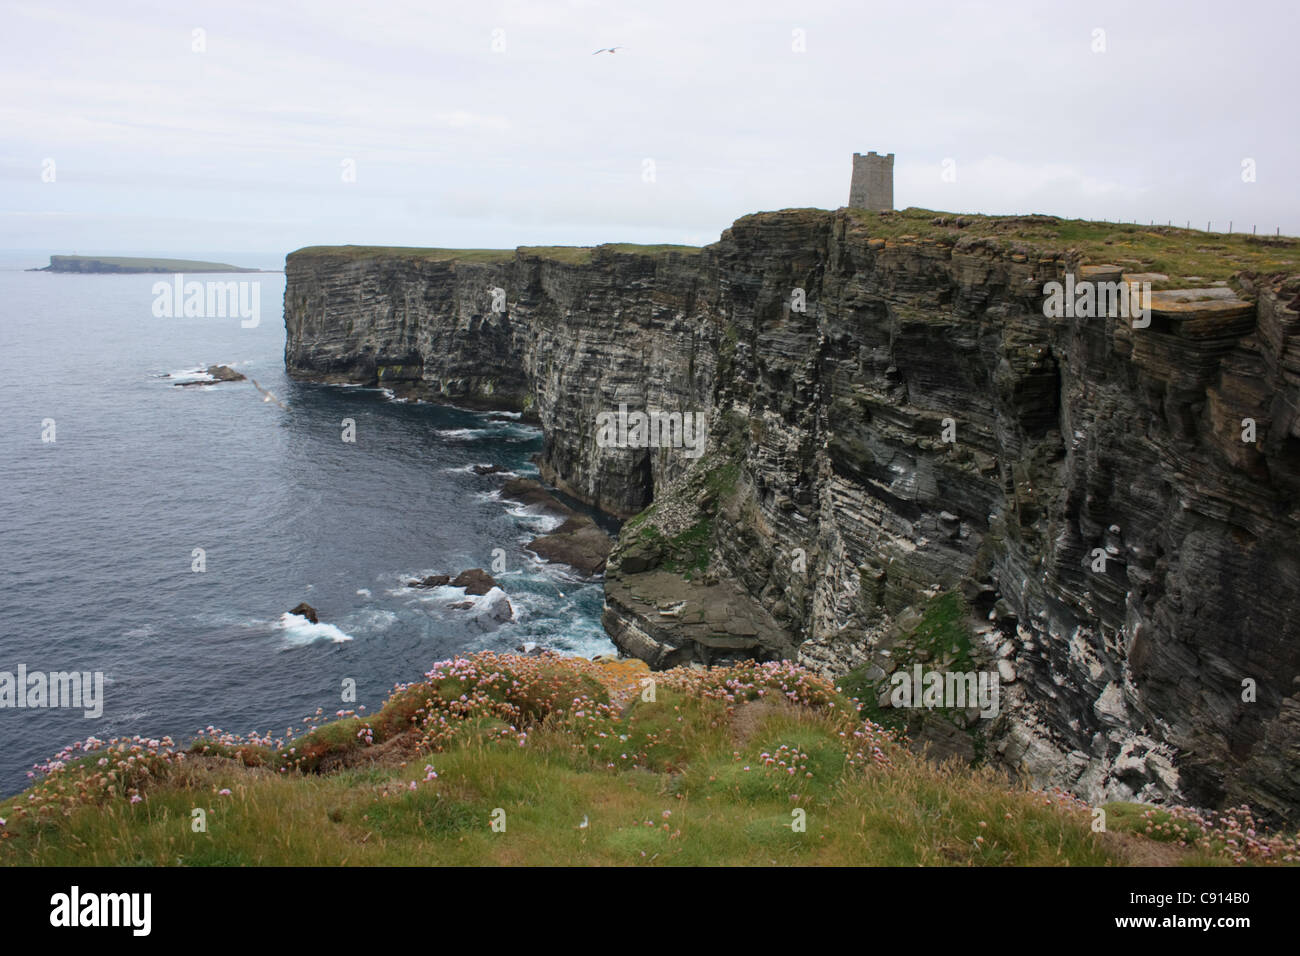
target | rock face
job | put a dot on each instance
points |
(919, 422)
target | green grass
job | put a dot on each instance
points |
(709, 484)
(1189, 257)
(571, 255)
(944, 625)
(1177, 252)
(407, 252)
(752, 765)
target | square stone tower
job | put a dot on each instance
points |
(873, 182)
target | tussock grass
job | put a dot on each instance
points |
(571, 255)
(1189, 257)
(748, 765)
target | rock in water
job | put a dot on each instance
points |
(475, 581)
(534, 494)
(306, 610)
(578, 543)
(494, 609)
(224, 373)
(432, 581)
(216, 373)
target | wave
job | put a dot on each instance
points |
(497, 430)
(187, 375)
(469, 470)
(298, 631)
(538, 520)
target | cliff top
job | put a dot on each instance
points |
(1168, 256)
(500, 759)
(574, 255)
(1173, 257)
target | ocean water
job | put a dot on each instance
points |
(98, 529)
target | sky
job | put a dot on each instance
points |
(254, 128)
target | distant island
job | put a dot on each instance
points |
(121, 264)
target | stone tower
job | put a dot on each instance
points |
(873, 182)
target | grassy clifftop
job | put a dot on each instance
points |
(1173, 257)
(572, 255)
(497, 759)
(1185, 257)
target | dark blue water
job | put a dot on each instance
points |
(98, 528)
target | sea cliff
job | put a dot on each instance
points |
(895, 421)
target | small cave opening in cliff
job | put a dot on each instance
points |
(643, 481)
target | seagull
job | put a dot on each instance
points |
(267, 396)
(609, 49)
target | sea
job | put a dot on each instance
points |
(158, 534)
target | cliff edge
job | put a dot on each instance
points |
(893, 418)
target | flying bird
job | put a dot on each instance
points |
(609, 49)
(267, 396)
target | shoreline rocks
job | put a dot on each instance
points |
(475, 581)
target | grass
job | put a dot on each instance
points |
(944, 625)
(512, 760)
(688, 551)
(1176, 252)
(571, 255)
(1189, 257)
(407, 252)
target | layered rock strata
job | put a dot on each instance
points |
(896, 416)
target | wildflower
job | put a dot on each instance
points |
(223, 792)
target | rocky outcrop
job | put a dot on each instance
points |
(429, 581)
(211, 376)
(578, 541)
(891, 416)
(475, 581)
(305, 610)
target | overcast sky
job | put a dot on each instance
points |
(491, 124)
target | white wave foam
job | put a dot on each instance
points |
(543, 522)
(299, 631)
(187, 375)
